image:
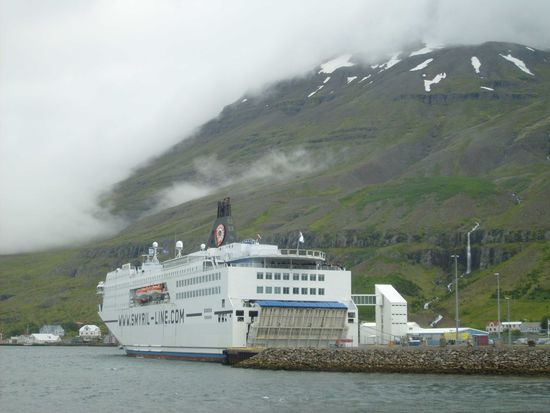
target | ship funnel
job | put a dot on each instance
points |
(223, 230)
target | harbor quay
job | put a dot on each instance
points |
(431, 360)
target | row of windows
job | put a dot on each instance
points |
(260, 289)
(199, 293)
(197, 280)
(286, 276)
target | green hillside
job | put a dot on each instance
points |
(382, 174)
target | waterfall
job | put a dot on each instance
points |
(468, 251)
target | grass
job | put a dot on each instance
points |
(413, 190)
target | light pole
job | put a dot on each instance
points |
(498, 304)
(509, 325)
(456, 295)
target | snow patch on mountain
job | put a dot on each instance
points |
(476, 63)
(332, 65)
(428, 83)
(365, 78)
(520, 64)
(424, 50)
(351, 79)
(393, 61)
(422, 65)
(487, 88)
(315, 91)
(326, 80)
(529, 48)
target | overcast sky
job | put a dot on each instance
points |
(90, 89)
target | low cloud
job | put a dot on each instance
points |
(90, 90)
(213, 174)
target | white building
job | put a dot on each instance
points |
(493, 327)
(511, 325)
(54, 329)
(367, 333)
(391, 314)
(530, 327)
(42, 339)
(89, 332)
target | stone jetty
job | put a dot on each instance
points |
(440, 360)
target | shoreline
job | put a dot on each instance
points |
(520, 361)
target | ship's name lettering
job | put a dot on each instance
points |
(174, 316)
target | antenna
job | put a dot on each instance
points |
(179, 248)
(155, 247)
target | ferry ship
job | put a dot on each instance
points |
(229, 294)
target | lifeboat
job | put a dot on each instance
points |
(151, 292)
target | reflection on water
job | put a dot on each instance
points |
(87, 379)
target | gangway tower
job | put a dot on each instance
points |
(390, 312)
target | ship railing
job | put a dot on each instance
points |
(304, 253)
(294, 266)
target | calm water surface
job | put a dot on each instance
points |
(88, 379)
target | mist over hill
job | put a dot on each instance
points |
(387, 165)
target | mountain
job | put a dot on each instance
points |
(386, 165)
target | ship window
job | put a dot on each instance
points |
(239, 312)
(253, 313)
(277, 290)
(240, 319)
(295, 290)
(312, 277)
(304, 277)
(304, 291)
(321, 291)
(312, 291)
(286, 290)
(268, 290)
(223, 302)
(351, 315)
(260, 289)
(286, 276)
(321, 277)
(277, 275)
(350, 320)
(260, 275)
(268, 276)
(296, 277)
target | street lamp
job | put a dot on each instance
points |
(509, 325)
(498, 304)
(456, 294)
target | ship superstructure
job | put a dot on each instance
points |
(229, 294)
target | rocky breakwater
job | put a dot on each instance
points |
(447, 360)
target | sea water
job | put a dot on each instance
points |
(102, 379)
